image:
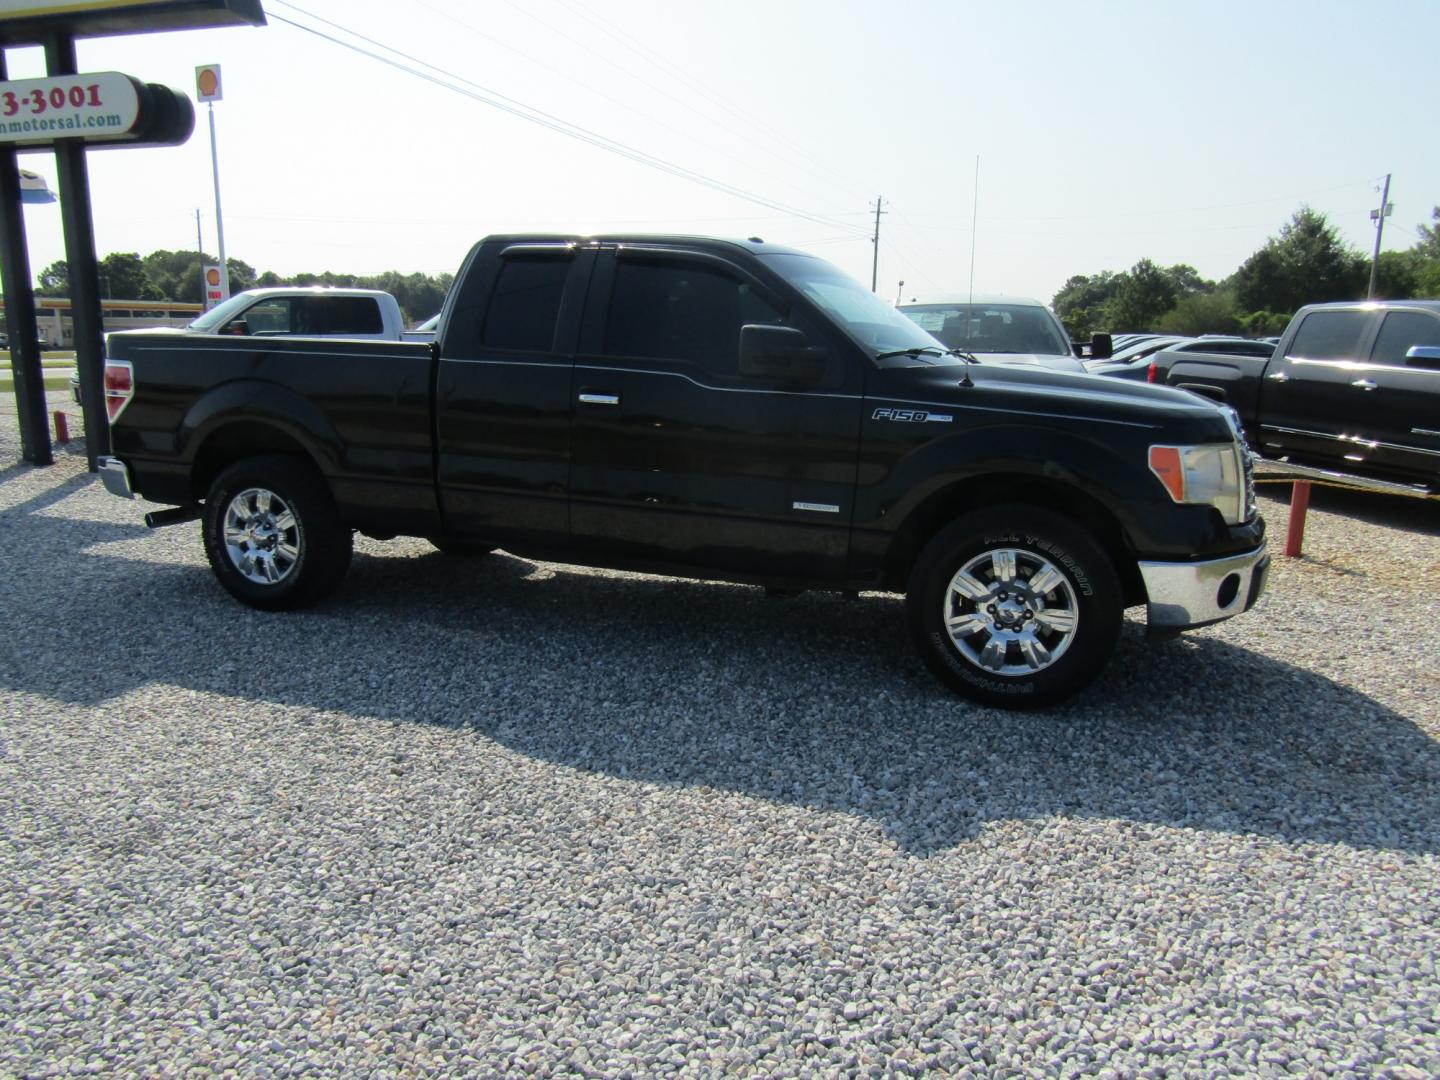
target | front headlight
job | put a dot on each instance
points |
(1209, 475)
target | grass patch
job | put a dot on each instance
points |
(52, 382)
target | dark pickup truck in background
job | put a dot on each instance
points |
(716, 409)
(1352, 387)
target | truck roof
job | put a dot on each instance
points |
(752, 244)
(310, 290)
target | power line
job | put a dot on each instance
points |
(590, 89)
(514, 107)
(752, 122)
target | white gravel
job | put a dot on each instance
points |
(508, 818)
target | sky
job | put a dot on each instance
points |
(1100, 133)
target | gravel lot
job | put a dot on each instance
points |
(508, 818)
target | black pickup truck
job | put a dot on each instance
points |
(716, 409)
(1352, 387)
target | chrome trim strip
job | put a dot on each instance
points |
(1268, 470)
(1424, 431)
(1371, 444)
(820, 508)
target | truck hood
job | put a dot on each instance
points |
(1034, 391)
(1052, 361)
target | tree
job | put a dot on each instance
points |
(1187, 280)
(54, 280)
(1429, 245)
(1307, 263)
(123, 277)
(1081, 301)
(177, 274)
(1146, 292)
(1202, 313)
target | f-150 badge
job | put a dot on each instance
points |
(911, 416)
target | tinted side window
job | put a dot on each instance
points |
(525, 304)
(1399, 332)
(337, 315)
(682, 311)
(1330, 335)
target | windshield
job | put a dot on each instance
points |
(867, 318)
(218, 316)
(991, 328)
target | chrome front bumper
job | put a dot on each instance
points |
(1183, 595)
(116, 477)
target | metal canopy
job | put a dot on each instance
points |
(32, 22)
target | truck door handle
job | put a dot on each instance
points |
(1279, 376)
(588, 397)
(1364, 384)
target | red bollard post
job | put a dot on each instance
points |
(62, 427)
(1295, 532)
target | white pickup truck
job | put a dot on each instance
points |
(298, 311)
(306, 312)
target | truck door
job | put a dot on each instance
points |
(1313, 403)
(502, 401)
(678, 457)
(1407, 395)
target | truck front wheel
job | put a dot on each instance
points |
(1014, 606)
(272, 535)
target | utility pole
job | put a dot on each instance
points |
(974, 231)
(875, 262)
(1379, 216)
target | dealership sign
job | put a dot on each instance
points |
(32, 21)
(104, 109)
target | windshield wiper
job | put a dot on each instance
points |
(914, 350)
(920, 351)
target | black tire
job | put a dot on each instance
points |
(461, 549)
(296, 533)
(1011, 646)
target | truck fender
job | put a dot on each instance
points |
(254, 401)
(1092, 467)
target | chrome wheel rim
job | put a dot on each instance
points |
(263, 537)
(1011, 612)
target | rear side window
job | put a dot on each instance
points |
(1329, 335)
(1400, 331)
(337, 315)
(525, 305)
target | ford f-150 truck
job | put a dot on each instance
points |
(717, 409)
(1351, 387)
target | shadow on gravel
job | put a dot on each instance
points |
(816, 701)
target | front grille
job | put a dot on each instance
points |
(1247, 461)
(1249, 458)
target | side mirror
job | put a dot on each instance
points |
(238, 327)
(1426, 356)
(780, 352)
(1101, 347)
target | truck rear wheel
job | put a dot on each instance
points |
(1014, 606)
(272, 534)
